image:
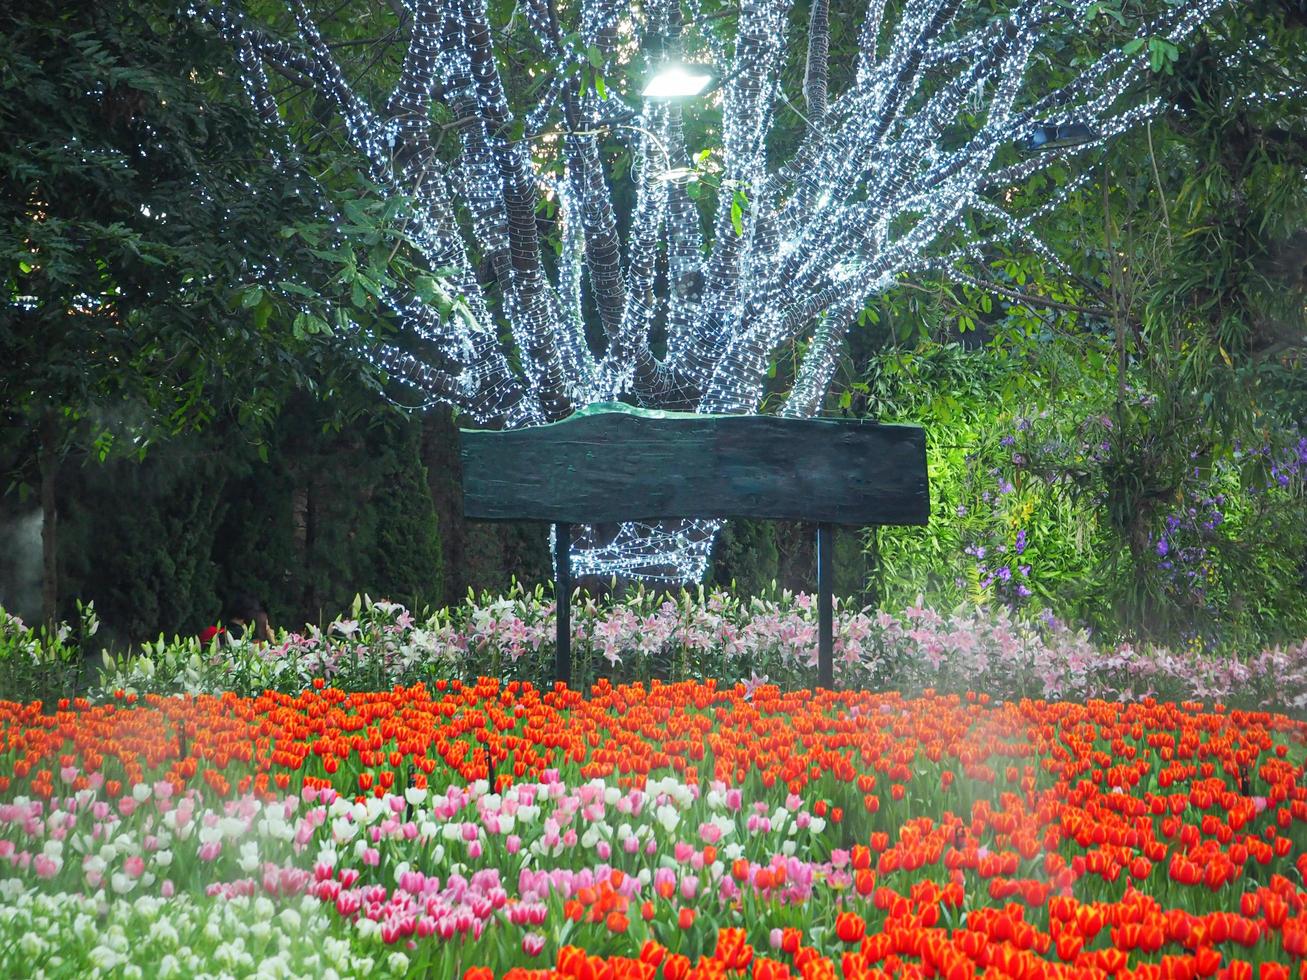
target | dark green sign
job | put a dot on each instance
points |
(613, 463)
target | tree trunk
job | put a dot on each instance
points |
(49, 465)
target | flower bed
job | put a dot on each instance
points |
(696, 636)
(664, 831)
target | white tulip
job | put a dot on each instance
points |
(668, 817)
(343, 830)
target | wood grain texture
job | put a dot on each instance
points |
(626, 465)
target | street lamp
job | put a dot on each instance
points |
(675, 82)
(1048, 136)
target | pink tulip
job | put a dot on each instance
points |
(533, 944)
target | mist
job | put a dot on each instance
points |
(20, 565)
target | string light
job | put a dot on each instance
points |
(927, 135)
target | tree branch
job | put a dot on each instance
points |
(816, 70)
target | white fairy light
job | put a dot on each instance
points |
(926, 134)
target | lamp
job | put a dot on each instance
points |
(675, 82)
(1047, 136)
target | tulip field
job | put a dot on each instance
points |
(662, 830)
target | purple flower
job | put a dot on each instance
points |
(1020, 545)
(1162, 547)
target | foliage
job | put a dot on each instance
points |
(137, 539)
(150, 282)
(40, 664)
(1028, 504)
(161, 545)
(331, 512)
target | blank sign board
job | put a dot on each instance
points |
(612, 463)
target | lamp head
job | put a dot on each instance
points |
(674, 81)
(1049, 136)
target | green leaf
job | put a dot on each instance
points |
(297, 289)
(737, 212)
(262, 314)
(307, 324)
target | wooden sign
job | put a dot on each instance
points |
(613, 463)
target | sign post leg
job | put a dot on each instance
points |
(825, 606)
(563, 602)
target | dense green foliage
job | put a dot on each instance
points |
(146, 261)
(162, 544)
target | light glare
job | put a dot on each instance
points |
(675, 82)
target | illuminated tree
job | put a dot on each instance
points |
(727, 255)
